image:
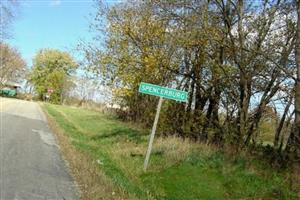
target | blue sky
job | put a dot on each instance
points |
(56, 24)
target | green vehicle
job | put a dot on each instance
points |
(8, 92)
(9, 89)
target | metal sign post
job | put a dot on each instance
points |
(162, 92)
(152, 133)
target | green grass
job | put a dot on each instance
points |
(178, 169)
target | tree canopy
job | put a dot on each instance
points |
(236, 59)
(50, 71)
(13, 66)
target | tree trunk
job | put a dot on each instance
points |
(281, 123)
(296, 134)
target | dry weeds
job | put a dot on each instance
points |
(173, 149)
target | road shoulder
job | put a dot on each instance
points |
(92, 183)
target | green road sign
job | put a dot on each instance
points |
(164, 92)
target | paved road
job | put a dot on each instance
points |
(31, 167)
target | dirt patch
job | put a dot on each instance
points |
(93, 184)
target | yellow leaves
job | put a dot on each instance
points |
(150, 64)
(12, 65)
(55, 59)
(50, 68)
(123, 92)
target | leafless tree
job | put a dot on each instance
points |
(12, 66)
(8, 13)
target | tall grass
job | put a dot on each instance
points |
(179, 169)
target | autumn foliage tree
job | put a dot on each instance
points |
(51, 69)
(13, 66)
(236, 59)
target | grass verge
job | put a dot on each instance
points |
(114, 152)
(92, 182)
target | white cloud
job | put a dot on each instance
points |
(55, 2)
